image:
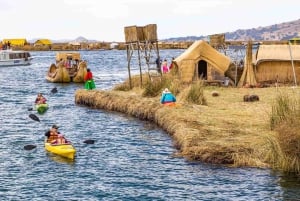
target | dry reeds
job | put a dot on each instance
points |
(153, 89)
(285, 119)
(195, 94)
(226, 130)
(283, 110)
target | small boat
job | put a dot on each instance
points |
(68, 68)
(63, 150)
(14, 58)
(41, 108)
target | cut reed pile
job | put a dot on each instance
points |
(226, 130)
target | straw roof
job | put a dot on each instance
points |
(272, 63)
(65, 55)
(15, 41)
(277, 53)
(200, 50)
(43, 42)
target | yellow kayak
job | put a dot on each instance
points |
(64, 150)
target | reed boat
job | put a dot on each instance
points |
(68, 68)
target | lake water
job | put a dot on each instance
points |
(130, 160)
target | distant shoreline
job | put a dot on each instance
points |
(122, 45)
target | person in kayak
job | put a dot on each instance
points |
(54, 136)
(40, 99)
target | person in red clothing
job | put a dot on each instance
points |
(171, 65)
(89, 81)
(89, 75)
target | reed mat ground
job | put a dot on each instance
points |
(225, 131)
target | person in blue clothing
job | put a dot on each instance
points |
(167, 98)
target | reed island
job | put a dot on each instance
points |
(214, 124)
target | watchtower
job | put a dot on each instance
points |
(143, 41)
(217, 41)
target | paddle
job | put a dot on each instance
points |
(34, 117)
(29, 147)
(54, 90)
(89, 141)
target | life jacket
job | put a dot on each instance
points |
(60, 140)
(52, 137)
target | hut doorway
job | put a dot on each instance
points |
(202, 69)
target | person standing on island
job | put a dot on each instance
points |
(158, 64)
(165, 67)
(171, 64)
(89, 81)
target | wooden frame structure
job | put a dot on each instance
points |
(143, 40)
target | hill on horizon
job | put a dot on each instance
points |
(276, 32)
(80, 39)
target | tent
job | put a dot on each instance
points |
(201, 60)
(275, 63)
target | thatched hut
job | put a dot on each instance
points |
(43, 42)
(201, 60)
(277, 63)
(15, 41)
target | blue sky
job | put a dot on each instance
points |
(104, 20)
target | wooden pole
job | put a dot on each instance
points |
(129, 54)
(292, 61)
(140, 64)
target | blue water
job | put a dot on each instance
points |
(130, 160)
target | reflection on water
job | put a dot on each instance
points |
(290, 184)
(59, 159)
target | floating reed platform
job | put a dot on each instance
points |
(199, 133)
